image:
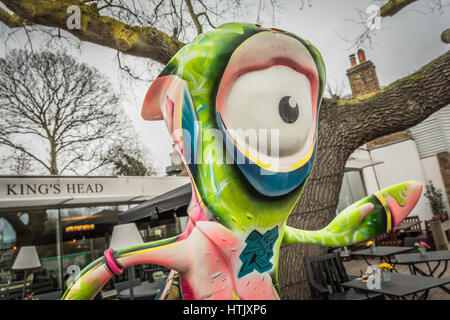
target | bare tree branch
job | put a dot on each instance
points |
(12, 20)
(139, 41)
(194, 17)
(394, 6)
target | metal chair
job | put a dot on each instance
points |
(409, 241)
(325, 275)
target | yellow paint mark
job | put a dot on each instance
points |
(269, 166)
(386, 209)
(149, 250)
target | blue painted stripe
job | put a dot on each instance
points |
(266, 182)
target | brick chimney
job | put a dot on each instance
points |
(362, 77)
(353, 60)
(363, 80)
(361, 56)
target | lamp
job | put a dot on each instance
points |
(124, 236)
(26, 259)
(183, 222)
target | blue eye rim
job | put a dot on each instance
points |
(266, 182)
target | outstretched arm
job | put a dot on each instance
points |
(363, 220)
(169, 253)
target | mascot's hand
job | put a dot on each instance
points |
(365, 219)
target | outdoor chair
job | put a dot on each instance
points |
(326, 274)
(120, 286)
(414, 230)
(410, 241)
(54, 295)
(42, 286)
(388, 239)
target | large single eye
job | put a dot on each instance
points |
(275, 99)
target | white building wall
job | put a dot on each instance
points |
(432, 172)
(370, 180)
(433, 134)
(401, 162)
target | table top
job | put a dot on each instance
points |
(400, 285)
(13, 285)
(411, 258)
(108, 293)
(381, 251)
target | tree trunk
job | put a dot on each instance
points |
(27, 234)
(316, 208)
(53, 157)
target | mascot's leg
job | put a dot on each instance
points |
(363, 220)
(170, 253)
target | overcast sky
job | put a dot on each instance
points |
(404, 43)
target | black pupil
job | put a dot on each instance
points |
(288, 112)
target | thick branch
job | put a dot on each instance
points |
(394, 6)
(12, 20)
(399, 106)
(147, 42)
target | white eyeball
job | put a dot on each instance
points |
(277, 98)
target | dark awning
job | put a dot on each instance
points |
(171, 200)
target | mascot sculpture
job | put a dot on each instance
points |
(232, 80)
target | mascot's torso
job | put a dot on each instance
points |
(216, 266)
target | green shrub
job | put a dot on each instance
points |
(434, 195)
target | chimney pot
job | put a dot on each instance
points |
(353, 60)
(361, 56)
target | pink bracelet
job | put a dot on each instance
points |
(112, 264)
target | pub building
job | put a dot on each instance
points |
(68, 221)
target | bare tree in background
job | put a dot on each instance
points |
(58, 113)
(367, 19)
(19, 163)
(157, 29)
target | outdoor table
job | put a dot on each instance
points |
(383, 253)
(412, 259)
(401, 285)
(145, 291)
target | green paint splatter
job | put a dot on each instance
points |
(86, 291)
(398, 193)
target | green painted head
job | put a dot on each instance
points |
(242, 105)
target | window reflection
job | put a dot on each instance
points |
(68, 239)
(352, 189)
